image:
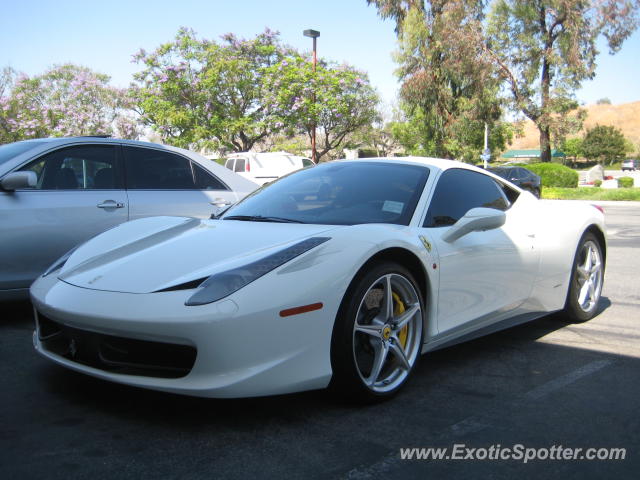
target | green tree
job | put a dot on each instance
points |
(544, 49)
(572, 148)
(7, 78)
(345, 101)
(604, 143)
(446, 82)
(206, 93)
(66, 100)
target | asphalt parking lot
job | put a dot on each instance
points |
(543, 384)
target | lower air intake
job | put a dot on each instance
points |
(116, 354)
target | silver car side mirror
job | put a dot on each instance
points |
(475, 220)
(19, 180)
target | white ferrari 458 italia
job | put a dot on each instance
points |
(336, 276)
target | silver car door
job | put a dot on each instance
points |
(165, 183)
(78, 195)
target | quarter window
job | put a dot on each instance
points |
(457, 192)
(205, 180)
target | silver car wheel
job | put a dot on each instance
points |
(589, 276)
(387, 333)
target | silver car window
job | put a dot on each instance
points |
(82, 167)
(151, 169)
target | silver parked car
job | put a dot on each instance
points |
(58, 192)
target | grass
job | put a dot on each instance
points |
(591, 193)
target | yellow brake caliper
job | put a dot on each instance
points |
(398, 309)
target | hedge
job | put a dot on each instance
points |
(625, 182)
(555, 175)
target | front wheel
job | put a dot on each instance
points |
(586, 282)
(377, 336)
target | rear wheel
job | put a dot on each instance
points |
(377, 336)
(587, 278)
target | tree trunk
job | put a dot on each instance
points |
(545, 86)
(545, 144)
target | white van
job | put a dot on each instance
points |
(265, 167)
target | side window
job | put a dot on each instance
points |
(229, 164)
(150, 169)
(307, 163)
(206, 180)
(239, 167)
(457, 192)
(83, 167)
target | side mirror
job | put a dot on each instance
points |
(475, 220)
(19, 180)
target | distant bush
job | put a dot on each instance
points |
(367, 153)
(597, 183)
(554, 175)
(625, 182)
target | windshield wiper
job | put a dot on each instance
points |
(260, 218)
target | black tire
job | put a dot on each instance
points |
(585, 287)
(368, 343)
(536, 192)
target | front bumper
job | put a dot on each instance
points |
(241, 351)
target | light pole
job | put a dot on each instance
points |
(313, 34)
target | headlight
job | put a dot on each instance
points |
(58, 264)
(223, 284)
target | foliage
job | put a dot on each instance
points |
(597, 182)
(338, 99)
(625, 182)
(592, 193)
(238, 94)
(202, 93)
(603, 101)
(66, 100)
(448, 90)
(544, 49)
(297, 144)
(378, 138)
(604, 143)
(555, 175)
(572, 147)
(412, 135)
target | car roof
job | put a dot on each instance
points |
(433, 162)
(42, 145)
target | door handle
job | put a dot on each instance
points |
(220, 202)
(110, 204)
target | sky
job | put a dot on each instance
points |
(103, 36)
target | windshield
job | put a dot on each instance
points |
(338, 194)
(11, 150)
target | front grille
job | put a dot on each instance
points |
(115, 354)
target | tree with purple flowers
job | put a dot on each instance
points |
(236, 94)
(66, 100)
(345, 102)
(198, 92)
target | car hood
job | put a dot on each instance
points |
(157, 253)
